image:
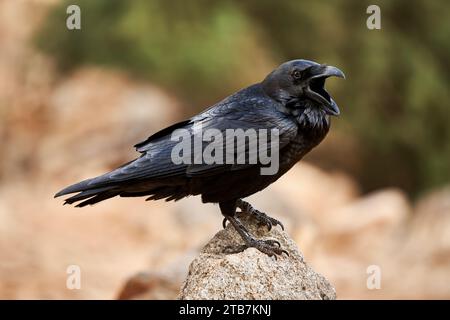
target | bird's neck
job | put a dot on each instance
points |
(308, 115)
(313, 125)
(313, 119)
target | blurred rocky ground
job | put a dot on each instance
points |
(56, 130)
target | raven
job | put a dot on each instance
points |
(291, 99)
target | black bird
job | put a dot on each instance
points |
(291, 99)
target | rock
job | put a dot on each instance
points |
(365, 228)
(149, 286)
(306, 186)
(377, 211)
(250, 274)
(429, 228)
(156, 284)
(130, 109)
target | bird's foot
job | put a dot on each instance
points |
(261, 217)
(270, 247)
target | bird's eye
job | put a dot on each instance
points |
(297, 74)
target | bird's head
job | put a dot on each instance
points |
(302, 80)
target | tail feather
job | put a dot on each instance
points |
(91, 191)
(98, 197)
(86, 194)
(77, 187)
(167, 193)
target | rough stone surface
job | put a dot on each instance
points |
(217, 274)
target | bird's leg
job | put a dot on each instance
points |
(270, 247)
(260, 216)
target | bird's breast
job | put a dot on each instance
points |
(306, 139)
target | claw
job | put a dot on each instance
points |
(276, 222)
(224, 223)
(273, 242)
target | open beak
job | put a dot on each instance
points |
(316, 87)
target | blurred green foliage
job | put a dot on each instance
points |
(394, 103)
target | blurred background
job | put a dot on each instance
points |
(73, 103)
